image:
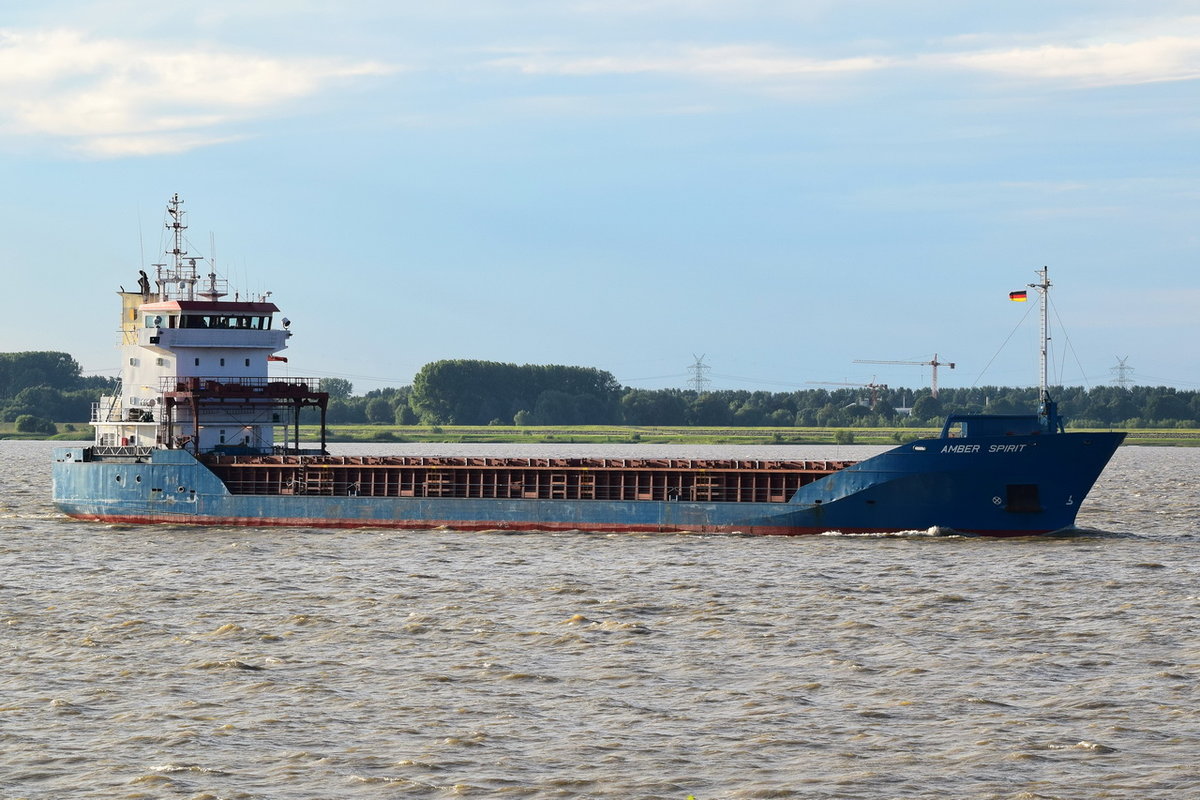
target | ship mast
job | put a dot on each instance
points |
(183, 276)
(1043, 289)
(1049, 408)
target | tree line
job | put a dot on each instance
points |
(51, 386)
(41, 386)
(462, 392)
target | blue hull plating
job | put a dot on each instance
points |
(993, 485)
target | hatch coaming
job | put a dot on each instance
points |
(666, 480)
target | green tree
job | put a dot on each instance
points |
(469, 392)
(829, 416)
(748, 417)
(339, 388)
(781, 418)
(927, 407)
(654, 407)
(555, 408)
(380, 411)
(711, 410)
(41, 401)
(403, 414)
(346, 411)
(28, 423)
(20, 371)
(1166, 406)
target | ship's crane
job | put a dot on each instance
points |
(875, 388)
(933, 388)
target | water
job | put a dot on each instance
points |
(165, 662)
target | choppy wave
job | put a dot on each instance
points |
(293, 663)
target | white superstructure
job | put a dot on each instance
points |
(193, 364)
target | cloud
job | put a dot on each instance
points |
(1108, 63)
(1161, 58)
(110, 97)
(723, 61)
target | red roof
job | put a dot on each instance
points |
(210, 306)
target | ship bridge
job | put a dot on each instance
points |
(195, 368)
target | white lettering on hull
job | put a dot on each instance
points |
(974, 448)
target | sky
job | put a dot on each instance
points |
(780, 187)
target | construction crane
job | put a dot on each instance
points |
(933, 390)
(875, 388)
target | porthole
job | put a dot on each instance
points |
(118, 479)
(181, 489)
(137, 479)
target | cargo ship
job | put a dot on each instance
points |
(199, 432)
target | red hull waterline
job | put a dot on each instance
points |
(532, 527)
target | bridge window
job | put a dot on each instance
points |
(254, 323)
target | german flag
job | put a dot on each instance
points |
(1018, 297)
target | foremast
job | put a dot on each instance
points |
(1048, 408)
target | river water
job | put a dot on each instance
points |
(176, 662)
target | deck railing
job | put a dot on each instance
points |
(216, 384)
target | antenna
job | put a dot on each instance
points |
(216, 288)
(141, 241)
(1122, 372)
(177, 273)
(699, 380)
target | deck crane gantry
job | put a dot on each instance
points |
(875, 388)
(933, 387)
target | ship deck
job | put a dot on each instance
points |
(698, 480)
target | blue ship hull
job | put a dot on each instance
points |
(991, 485)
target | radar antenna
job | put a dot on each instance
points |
(180, 274)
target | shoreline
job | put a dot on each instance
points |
(630, 434)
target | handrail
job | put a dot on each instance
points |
(215, 383)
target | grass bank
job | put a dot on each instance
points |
(625, 434)
(671, 435)
(601, 434)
